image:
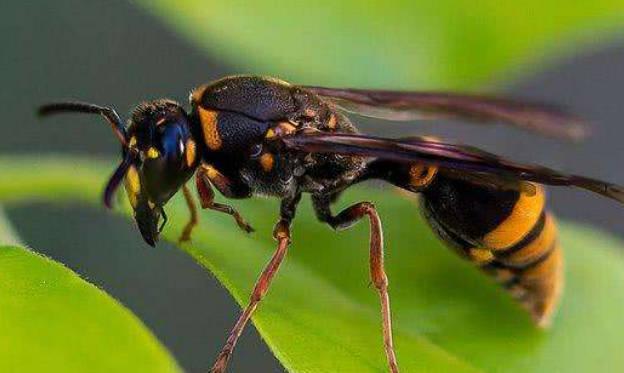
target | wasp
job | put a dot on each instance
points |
(248, 135)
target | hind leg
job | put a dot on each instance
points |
(344, 220)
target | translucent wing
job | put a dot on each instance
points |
(459, 159)
(403, 105)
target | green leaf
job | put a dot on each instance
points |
(321, 315)
(52, 320)
(392, 43)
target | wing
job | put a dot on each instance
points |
(401, 106)
(470, 161)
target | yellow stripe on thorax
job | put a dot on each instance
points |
(523, 217)
(208, 119)
(190, 153)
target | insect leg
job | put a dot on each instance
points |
(347, 218)
(194, 217)
(281, 233)
(206, 198)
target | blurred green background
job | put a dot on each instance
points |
(117, 53)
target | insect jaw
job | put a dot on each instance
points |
(146, 212)
(147, 216)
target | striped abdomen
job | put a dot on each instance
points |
(507, 233)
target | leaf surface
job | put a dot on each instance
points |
(321, 314)
(52, 320)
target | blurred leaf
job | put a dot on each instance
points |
(7, 233)
(52, 320)
(322, 316)
(392, 43)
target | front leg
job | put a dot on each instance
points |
(206, 195)
(194, 216)
(344, 220)
(281, 233)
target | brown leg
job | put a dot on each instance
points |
(194, 218)
(206, 198)
(346, 219)
(282, 235)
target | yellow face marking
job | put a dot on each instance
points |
(538, 247)
(152, 153)
(190, 152)
(151, 204)
(208, 119)
(523, 217)
(133, 141)
(331, 123)
(133, 185)
(421, 175)
(267, 161)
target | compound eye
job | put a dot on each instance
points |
(256, 150)
(171, 141)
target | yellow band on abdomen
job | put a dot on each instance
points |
(536, 249)
(519, 223)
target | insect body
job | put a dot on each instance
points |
(508, 233)
(249, 136)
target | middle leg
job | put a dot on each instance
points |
(194, 217)
(281, 233)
